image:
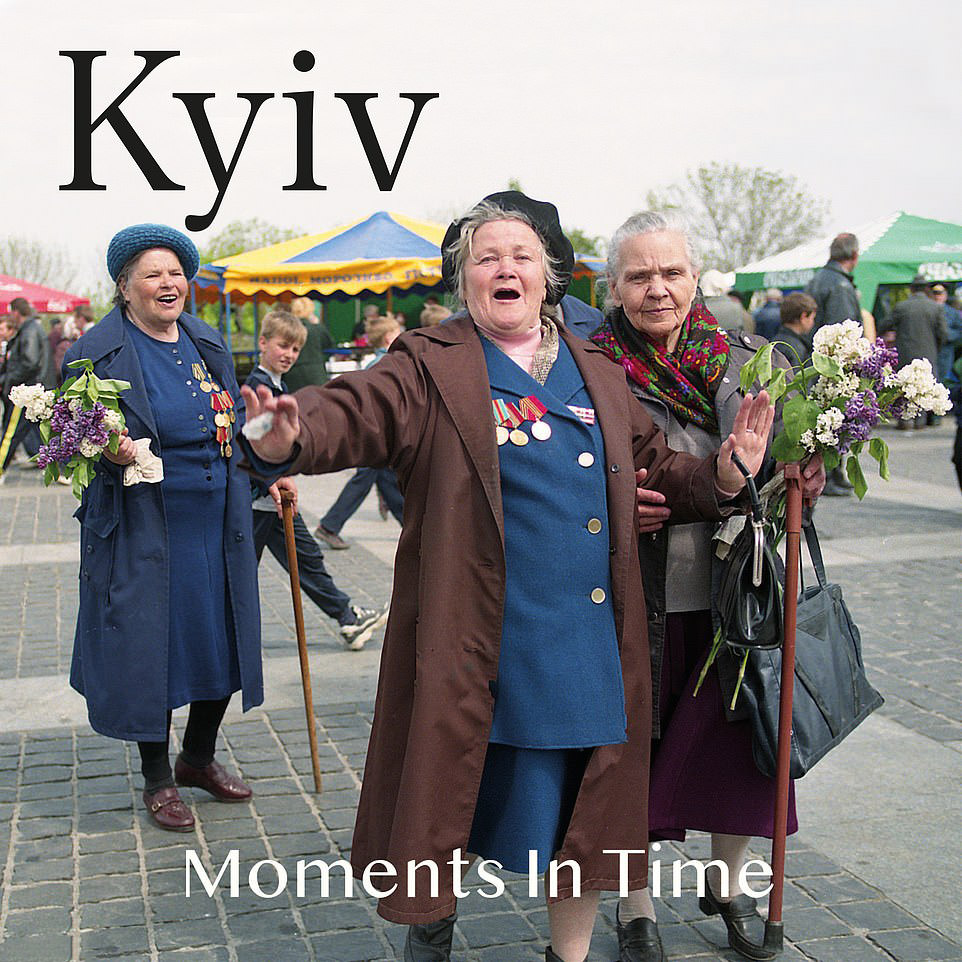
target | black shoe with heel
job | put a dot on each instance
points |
(639, 941)
(743, 922)
(431, 942)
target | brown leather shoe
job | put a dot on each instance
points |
(214, 779)
(167, 810)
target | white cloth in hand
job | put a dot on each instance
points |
(146, 466)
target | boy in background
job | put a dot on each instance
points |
(281, 339)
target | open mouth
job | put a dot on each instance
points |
(506, 294)
(167, 298)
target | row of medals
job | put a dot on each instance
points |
(540, 430)
(223, 419)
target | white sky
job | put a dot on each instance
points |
(588, 104)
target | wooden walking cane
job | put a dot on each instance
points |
(287, 507)
(774, 927)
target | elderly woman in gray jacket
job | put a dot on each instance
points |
(684, 370)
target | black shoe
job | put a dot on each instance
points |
(835, 490)
(742, 920)
(639, 941)
(549, 955)
(431, 942)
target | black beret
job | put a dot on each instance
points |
(543, 216)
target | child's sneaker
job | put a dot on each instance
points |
(366, 620)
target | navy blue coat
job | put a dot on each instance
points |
(580, 318)
(120, 647)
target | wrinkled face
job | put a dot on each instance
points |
(504, 283)
(278, 355)
(655, 284)
(157, 289)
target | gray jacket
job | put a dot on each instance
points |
(920, 329)
(653, 548)
(834, 291)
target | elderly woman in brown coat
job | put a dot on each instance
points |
(513, 712)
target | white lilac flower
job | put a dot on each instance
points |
(89, 449)
(113, 422)
(843, 342)
(828, 389)
(74, 405)
(807, 441)
(827, 425)
(920, 388)
(37, 403)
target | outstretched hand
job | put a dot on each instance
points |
(749, 439)
(277, 444)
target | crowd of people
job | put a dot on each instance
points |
(558, 473)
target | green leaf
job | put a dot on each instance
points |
(44, 428)
(880, 451)
(826, 366)
(84, 362)
(79, 386)
(854, 471)
(109, 385)
(777, 385)
(798, 416)
(786, 450)
(92, 392)
(114, 443)
(49, 474)
(747, 376)
(765, 364)
(69, 383)
(831, 459)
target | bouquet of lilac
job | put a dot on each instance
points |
(77, 423)
(837, 397)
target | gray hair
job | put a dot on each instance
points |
(461, 248)
(646, 222)
(843, 248)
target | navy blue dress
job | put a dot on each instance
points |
(202, 661)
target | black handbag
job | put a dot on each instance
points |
(749, 600)
(832, 696)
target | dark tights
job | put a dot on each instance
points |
(200, 737)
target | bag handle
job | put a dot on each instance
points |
(757, 521)
(814, 551)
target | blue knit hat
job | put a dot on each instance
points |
(132, 240)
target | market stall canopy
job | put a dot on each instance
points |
(383, 252)
(893, 250)
(44, 300)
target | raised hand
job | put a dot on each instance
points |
(278, 443)
(749, 438)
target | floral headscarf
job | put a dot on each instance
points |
(686, 379)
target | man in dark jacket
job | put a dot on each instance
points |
(28, 357)
(833, 285)
(920, 331)
(768, 316)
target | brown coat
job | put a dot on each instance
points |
(425, 409)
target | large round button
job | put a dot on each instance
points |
(586, 459)
(594, 526)
(598, 595)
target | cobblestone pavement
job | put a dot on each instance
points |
(84, 876)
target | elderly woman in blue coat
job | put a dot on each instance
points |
(169, 610)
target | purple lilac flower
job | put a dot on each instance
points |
(881, 355)
(60, 415)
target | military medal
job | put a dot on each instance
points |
(202, 377)
(507, 418)
(533, 410)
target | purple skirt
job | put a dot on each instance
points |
(703, 776)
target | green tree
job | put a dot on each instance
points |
(245, 235)
(30, 260)
(740, 214)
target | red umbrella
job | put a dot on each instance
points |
(44, 300)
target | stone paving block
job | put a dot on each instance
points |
(312, 845)
(275, 786)
(798, 864)
(29, 793)
(118, 912)
(846, 948)
(44, 848)
(108, 842)
(110, 943)
(38, 894)
(830, 889)
(281, 805)
(30, 828)
(109, 887)
(233, 828)
(340, 818)
(343, 798)
(47, 773)
(254, 926)
(37, 948)
(500, 929)
(49, 921)
(62, 806)
(529, 952)
(813, 923)
(114, 802)
(108, 863)
(358, 946)
(275, 825)
(99, 823)
(329, 915)
(212, 810)
(49, 870)
(188, 933)
(170, 882)
(248, 850)
(171, 908)
(208, 954)
(280, 950)
(916, 945)
(875, 916)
